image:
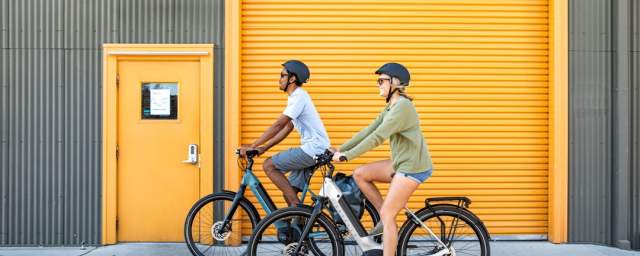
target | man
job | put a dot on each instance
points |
(301, 114)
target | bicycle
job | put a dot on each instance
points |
(208, 226)
(429, 231)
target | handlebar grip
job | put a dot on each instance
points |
(343, 158)
(252, 153)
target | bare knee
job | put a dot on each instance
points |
(387, 216)
(268, 166)
(360, 174)
(388, 213)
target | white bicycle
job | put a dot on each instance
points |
(440, 229)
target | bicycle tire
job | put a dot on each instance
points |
(426, 214)
(227, 196)
(296, 212)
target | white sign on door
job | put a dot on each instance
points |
(160, 102)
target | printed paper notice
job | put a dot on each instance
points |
(160, 102)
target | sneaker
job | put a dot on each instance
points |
(377, 230)
(288, 234)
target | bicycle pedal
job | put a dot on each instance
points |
(442, 252)
(374, 252)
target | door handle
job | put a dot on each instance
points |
(192, 156)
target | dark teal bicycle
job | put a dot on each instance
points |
(210, 222)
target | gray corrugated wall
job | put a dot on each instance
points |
(597, 120)
(590, 60)
(50, 104)
(635, 48)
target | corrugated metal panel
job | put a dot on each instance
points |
(36, 24)
(590, 81)
(50, 101)
(81, 145)
(88, 24)
(480, 81)
(198, 21)
(147, 21)
(4, 144)
(32, 166)
(635, 171)
(4, 20)
(635, 17)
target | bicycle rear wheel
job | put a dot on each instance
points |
(458, 229)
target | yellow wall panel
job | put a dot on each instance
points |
(479, 78)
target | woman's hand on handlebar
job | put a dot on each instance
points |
(339, 157)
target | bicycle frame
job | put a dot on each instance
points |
(330, 191)
(250, 180)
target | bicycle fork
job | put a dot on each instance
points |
(232, 209)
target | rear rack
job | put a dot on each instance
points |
(463, 201)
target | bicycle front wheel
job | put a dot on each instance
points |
(279, 233)
(459, 230)
(205, 232)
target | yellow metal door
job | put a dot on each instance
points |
(158, 118)
(479, 74)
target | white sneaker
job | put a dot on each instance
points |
(377, 230)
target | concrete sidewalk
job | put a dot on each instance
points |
(170, 249)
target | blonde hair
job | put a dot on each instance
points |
(401, 89)
(404, 94)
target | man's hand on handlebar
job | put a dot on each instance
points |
(261, 150)
(244, 148)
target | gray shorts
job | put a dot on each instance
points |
(297, 162)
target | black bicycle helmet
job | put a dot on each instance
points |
(299, 69)
(396, 70)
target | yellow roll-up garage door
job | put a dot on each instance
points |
(479, 77)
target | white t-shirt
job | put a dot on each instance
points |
(313, 136)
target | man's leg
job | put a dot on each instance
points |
(278, 178)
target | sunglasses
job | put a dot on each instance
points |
(381, 80)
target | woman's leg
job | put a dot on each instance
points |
(399, 192)
(365, 175)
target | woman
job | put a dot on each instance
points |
(410, 160)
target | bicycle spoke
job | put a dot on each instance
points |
(280, 235)
(210, 237)
(458, 234)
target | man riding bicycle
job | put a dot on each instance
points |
(300, 113)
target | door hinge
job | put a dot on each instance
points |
(117, 80)
(117, 152)
(117, 224)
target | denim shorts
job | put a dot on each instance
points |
(297, 163)
(419, 177)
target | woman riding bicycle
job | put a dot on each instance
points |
(410, 159)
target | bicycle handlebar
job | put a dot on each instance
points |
(250, 153)
(325, 159)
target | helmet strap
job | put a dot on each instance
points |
(288, 83)
(391, 93)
